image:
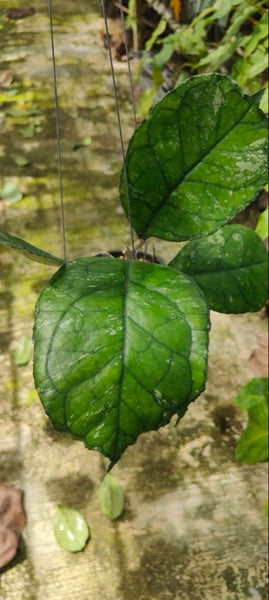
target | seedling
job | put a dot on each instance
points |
(121, 345)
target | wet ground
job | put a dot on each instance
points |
(194, 527)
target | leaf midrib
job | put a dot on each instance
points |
(182, 178)
(126, 268)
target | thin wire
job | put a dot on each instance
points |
(128, 61)
(115, 90)
(57, 119)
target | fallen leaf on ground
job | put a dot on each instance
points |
(6, 79)
(12, 522)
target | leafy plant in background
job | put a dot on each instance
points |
(120, 346)
(229, 36)
(252, 446)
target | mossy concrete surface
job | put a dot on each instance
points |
(194, 526)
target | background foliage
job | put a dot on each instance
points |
(226, 36)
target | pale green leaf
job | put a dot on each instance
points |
(252, 446)
(253, 393)
(20, 160)
(23, 351)
(196, 160)
(260, 32)
(156, 33)
(28, 131)
(262, 225)
(230, 266)
(22, 247)
(220, 55)
(112, 340)
(70, 529)
(11, 192)
(223, 7)
(82, 143)
(239, 18)
(264, 101)
(111, 497)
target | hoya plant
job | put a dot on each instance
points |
(120, 346)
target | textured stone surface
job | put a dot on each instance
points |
(194, 525)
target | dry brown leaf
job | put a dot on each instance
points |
(6, 79)
(12, 521)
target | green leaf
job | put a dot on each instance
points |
(264, 101)
(156, 33)
(260, 32)
(83, 143)
(21, 161)
(239, 18)
(196, 160)
(262, 225)
(22, 247)
(252, 446)
(219, 55)
(70, 529)
(111, 497)
(253, 393)
(11, 192)
(28, 131)
(230, 266)
(23, 351)
(120, 346)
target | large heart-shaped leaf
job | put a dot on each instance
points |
(196, 160)
(120, 346)
(230, 266)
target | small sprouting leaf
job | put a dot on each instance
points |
(11, 192)
(266, 508)
(262, 225)
(71, 529)
(111, 497)
(23, 351)
(83, 143)
(21, 161)
(196, 160)
(22, 247)
(253, 444)
(120, 346)
(230, 266)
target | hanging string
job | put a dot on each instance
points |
(128, 61)
(57, 118)
(115, 90)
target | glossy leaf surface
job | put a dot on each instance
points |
(70, 529)
(196, 160)
(230, 266)
(120, 346)
(252, 446)
(32, 252)
(111, 497)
